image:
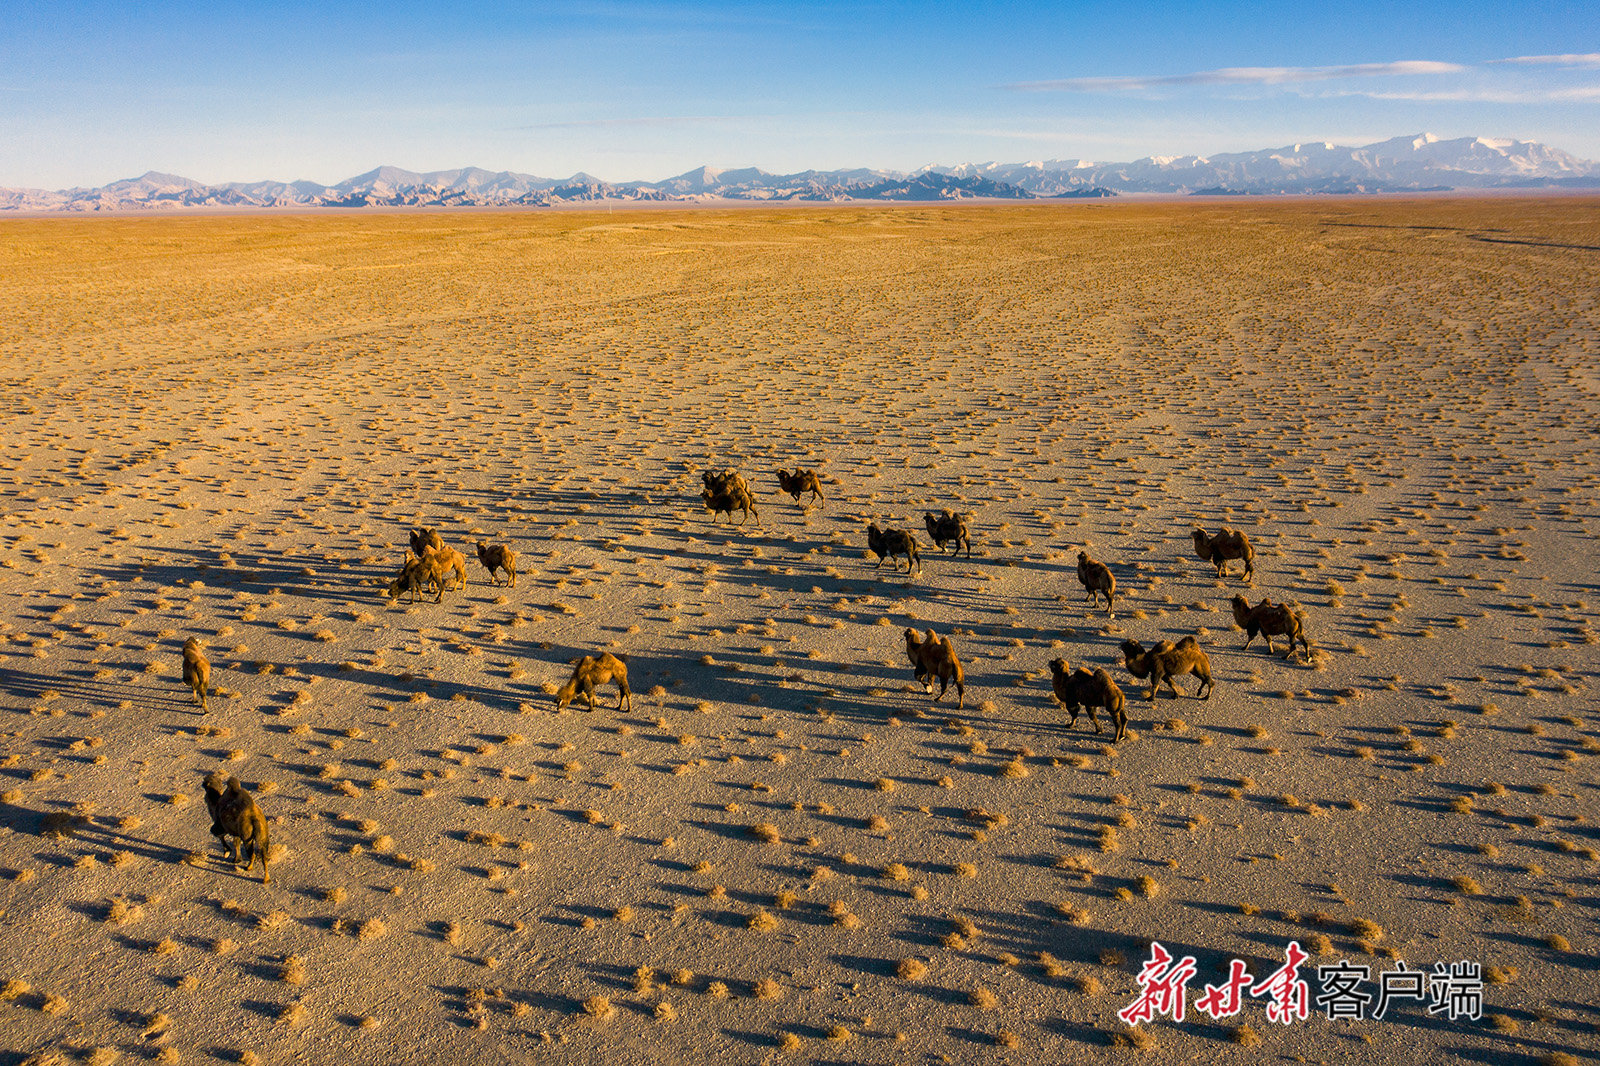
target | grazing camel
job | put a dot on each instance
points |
(801, 482)
(1271, 620)
(424, 540)
(945, 527)
(588, 673)
(733, 498)
(1090, 689)
(1097, 579)
(887, 543)
(235, 814)
(1227, 544)
(1168, 660)
(936, 658)
(498, 557)
(196, 671)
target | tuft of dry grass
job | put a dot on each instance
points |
(120, 912)
(293, 970)
(1366, 929)
(1015, 769)
(1137, 1039)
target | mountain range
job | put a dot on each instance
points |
(1402, 164)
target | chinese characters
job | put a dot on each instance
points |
(1454, 990)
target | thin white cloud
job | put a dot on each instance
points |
(1582, 59)
(1239, 76)
(653, 120)
(649, 121)
(1578, 94)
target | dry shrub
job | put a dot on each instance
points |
(1137, 1039)
(293, 970)
(120, 912)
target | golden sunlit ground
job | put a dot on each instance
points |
(223, 427)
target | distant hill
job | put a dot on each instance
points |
(1402, 164)
(1423, 162)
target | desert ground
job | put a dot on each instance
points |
(224, 427)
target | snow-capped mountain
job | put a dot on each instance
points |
(1395, 165)
(1401, 164)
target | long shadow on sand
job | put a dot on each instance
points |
(286, 576)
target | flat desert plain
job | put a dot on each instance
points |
(785, 851)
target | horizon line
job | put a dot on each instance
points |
(717, 169)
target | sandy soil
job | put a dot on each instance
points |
(224, 427)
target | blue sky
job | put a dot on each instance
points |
(92, 92)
